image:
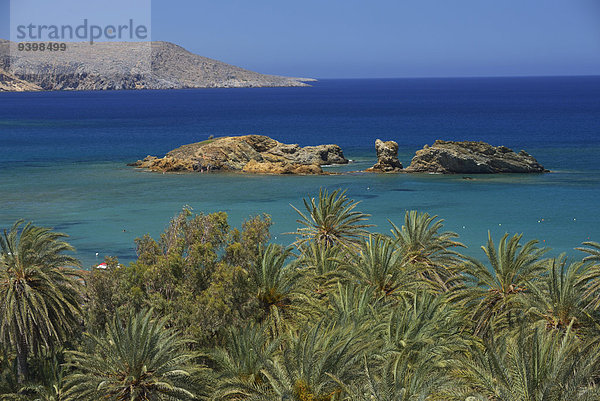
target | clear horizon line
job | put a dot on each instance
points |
(457, 76)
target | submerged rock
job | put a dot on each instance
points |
(249, 153)
(387, 157)
(448, 157)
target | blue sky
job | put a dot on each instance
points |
(379, 38)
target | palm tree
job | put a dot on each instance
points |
(358, 305)
(538, 365)
(278, 288)
(424, 326)
(315, 363)
(320, 265)
(239, 365)
(39, 297)
(320, 269)
(273, 280)
(140, 360)
(331, 219)
(421, 337)
(376, 264)
(423, 246)
(494, 293)
(559, 300)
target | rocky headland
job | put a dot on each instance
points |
(467, 157)
(123, 65)
(257, 154)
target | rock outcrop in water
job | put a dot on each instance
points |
(387, 157)
(124, 65)
(448, 157)
(250, 153)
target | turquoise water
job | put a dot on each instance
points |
(63, 157)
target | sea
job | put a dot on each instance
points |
(63, 157)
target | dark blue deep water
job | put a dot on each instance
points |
(62, 156)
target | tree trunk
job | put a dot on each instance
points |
(22, 351)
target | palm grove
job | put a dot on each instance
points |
(212, 312)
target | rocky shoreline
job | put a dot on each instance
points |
(259, 154)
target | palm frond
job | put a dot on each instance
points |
(137, 360)
(330, 220)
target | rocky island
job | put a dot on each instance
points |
(260, 154)
(468, 157)
(249, 154)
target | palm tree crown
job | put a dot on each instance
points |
(272, 278)
(331, 220)
(138, 361)
(39, 301)
(238, 367)
(559, 298)
(377, 264)
(421, 241)
(492, 293)
(315, 363)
